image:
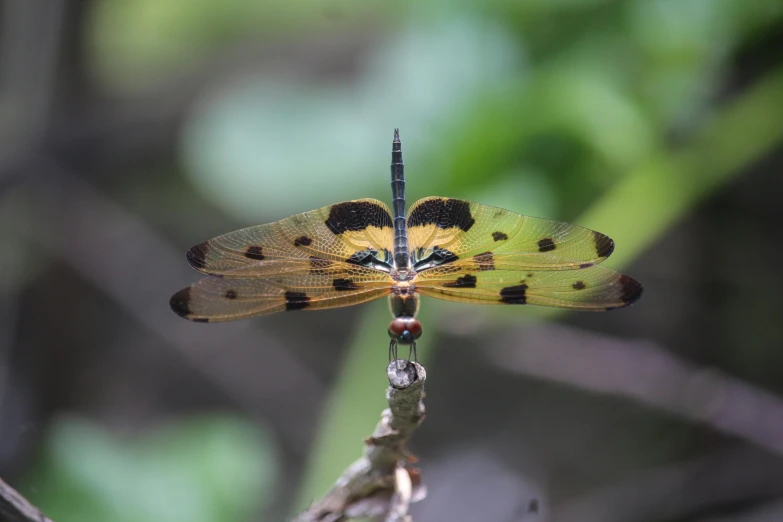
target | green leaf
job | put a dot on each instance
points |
(199, 469)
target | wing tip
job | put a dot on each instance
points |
(180, 305)
(604, 245)
(197, 255)
(631, 291)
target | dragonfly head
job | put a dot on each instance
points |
(405, 330)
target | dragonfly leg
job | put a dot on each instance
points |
(392, 350)
(412, 350)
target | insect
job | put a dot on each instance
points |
(356, 251)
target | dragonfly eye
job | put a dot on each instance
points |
(405, 330)
(414, 327)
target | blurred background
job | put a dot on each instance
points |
(134, 129)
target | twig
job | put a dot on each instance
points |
(382, 482)
(733, 477)
(15, 508)
(771, 510)
(649, 374)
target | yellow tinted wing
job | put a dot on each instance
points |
(446, 230)
(300, 285)
(344, 231)
(594, 288)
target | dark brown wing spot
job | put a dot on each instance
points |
(358, 258)
(318, 265)
(296, 301)
(302, 240)
(586, 265)
(631, 289)
(357, 215)
(456, 214)
(578, 285)
(439, 256)
(231, 294)
(514, 294)
(443, 213)
(546, 245)
(428, 213)
(344, 284)
(604, 246)
(442, 256)
(368, 257)
(466, 281)
(180, 303)
(499, 236)
(254, 252)
(197, 256)
(485, 261)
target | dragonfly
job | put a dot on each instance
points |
(357, 251)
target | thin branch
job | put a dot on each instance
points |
(761, 512)
(15, 508)
(382, 482)
(679, 491)
(646, 372)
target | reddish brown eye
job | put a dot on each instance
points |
(397, 327)
(405, 330)
(414, 327)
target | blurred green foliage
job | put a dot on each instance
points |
(245, 144)
(198, 469)
(137, 41)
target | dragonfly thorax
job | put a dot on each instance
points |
(403, 275)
